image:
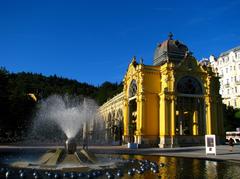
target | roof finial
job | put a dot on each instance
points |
(134, 59)
(188, 54)
(134, 62)
(170, 35)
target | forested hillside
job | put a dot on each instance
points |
(18, 102)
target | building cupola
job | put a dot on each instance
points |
(169, 50)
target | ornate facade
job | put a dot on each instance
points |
(174, 102)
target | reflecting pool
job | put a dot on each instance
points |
(178, 167)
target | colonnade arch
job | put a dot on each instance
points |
(112, 114)
(114, 126)
(132, 108)
(189, 107)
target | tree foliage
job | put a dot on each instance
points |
(231, 118)
(107, 90)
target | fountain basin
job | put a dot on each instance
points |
(138, 166)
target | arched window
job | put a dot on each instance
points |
(132, 89)
(189, 85)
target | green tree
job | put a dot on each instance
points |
(231, 118)
(3, 99)
(107, 90)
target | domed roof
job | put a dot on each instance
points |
(169, 50)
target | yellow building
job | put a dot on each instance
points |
(174, 102)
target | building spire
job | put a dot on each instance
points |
(170, 35)
(134, 59)
(141, 60)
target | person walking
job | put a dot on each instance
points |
(231, 144)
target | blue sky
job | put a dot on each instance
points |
(94, 41)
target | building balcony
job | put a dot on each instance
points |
(220, 75)
(226, 97)
(226, 85)
(237, 82)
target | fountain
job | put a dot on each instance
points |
(70, 115)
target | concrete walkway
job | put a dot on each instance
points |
(223, 152)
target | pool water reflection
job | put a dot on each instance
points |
(178, 167)
(169, 167)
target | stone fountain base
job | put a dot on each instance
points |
(59, 163)
(60, 156)
(61, 159)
